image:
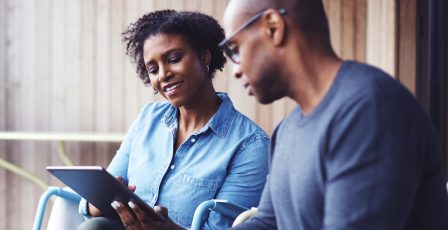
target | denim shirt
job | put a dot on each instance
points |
(226, 159)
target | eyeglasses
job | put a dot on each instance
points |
(232, 52)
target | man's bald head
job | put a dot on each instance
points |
(308, 16)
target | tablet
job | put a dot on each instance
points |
(98, 187)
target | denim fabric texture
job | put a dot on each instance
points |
(226, 159)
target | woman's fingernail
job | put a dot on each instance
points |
(115, 205)
(131, 204)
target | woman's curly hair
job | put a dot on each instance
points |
(201, 31)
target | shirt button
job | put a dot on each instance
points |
(193, 140)
(173, 166)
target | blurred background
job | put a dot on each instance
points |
(63, 69)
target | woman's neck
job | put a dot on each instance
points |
(196, 115)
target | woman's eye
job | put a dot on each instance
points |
(152, 70)
(174, 58)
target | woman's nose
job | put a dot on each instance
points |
(164, 74)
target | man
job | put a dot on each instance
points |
(358, 152)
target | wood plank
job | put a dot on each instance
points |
(15, 85)
(131, 82)
(3, 112)
(87, 78)
(360, 30)
(73, 74)
(146, 93)
(103, 71)
(176, 5)
(207, 6)
(192, 5)
(334, 18)
(264, 117)
(221, 80)
(381, 35)
(407, 43)
(347, 33)
(161, 4)
(116, 79)
(29, 194)
(278, 112)
(42, 84)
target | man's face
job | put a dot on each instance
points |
(247, 45)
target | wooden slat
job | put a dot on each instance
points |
(348, 29)
(87, 77)
(333, 8)
(42, 84)
(131, 82)
(381, 35)
(192, 5)
(207, 6)
(72, 64)
(3, 114)
(407, 53)
(103, 72)
(221, 80)
(178, 5)
(116, 76)
(360, 28)
(15, 81)
(27, 108)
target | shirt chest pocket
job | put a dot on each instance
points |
(189, 193)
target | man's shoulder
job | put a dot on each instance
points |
(362, 82)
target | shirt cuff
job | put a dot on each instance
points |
(83, 209)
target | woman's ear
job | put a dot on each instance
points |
(275, 26)
(206, 58)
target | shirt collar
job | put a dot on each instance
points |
(219, 123)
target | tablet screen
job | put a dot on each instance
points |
(98, 187)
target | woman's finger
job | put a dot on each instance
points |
(126, 216)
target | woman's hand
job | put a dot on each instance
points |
(95, 212)
(134, 218)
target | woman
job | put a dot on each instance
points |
(195, 146)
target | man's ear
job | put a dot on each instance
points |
(275, 26)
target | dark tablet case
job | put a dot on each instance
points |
(97, 186)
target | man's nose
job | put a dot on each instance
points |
(237, 70)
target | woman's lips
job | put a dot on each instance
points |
(173, 89)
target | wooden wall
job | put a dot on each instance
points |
(63, 68)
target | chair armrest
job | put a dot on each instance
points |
(244, 216)
(40, 211)
(221, 206)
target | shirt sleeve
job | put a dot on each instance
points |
(264, 218)
(372, 167)
(245, 180)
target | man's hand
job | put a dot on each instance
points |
(134, 218)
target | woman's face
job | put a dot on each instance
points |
(175, 69)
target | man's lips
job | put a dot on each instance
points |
(248, 88)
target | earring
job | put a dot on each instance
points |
(155, 91)
(207, 69)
